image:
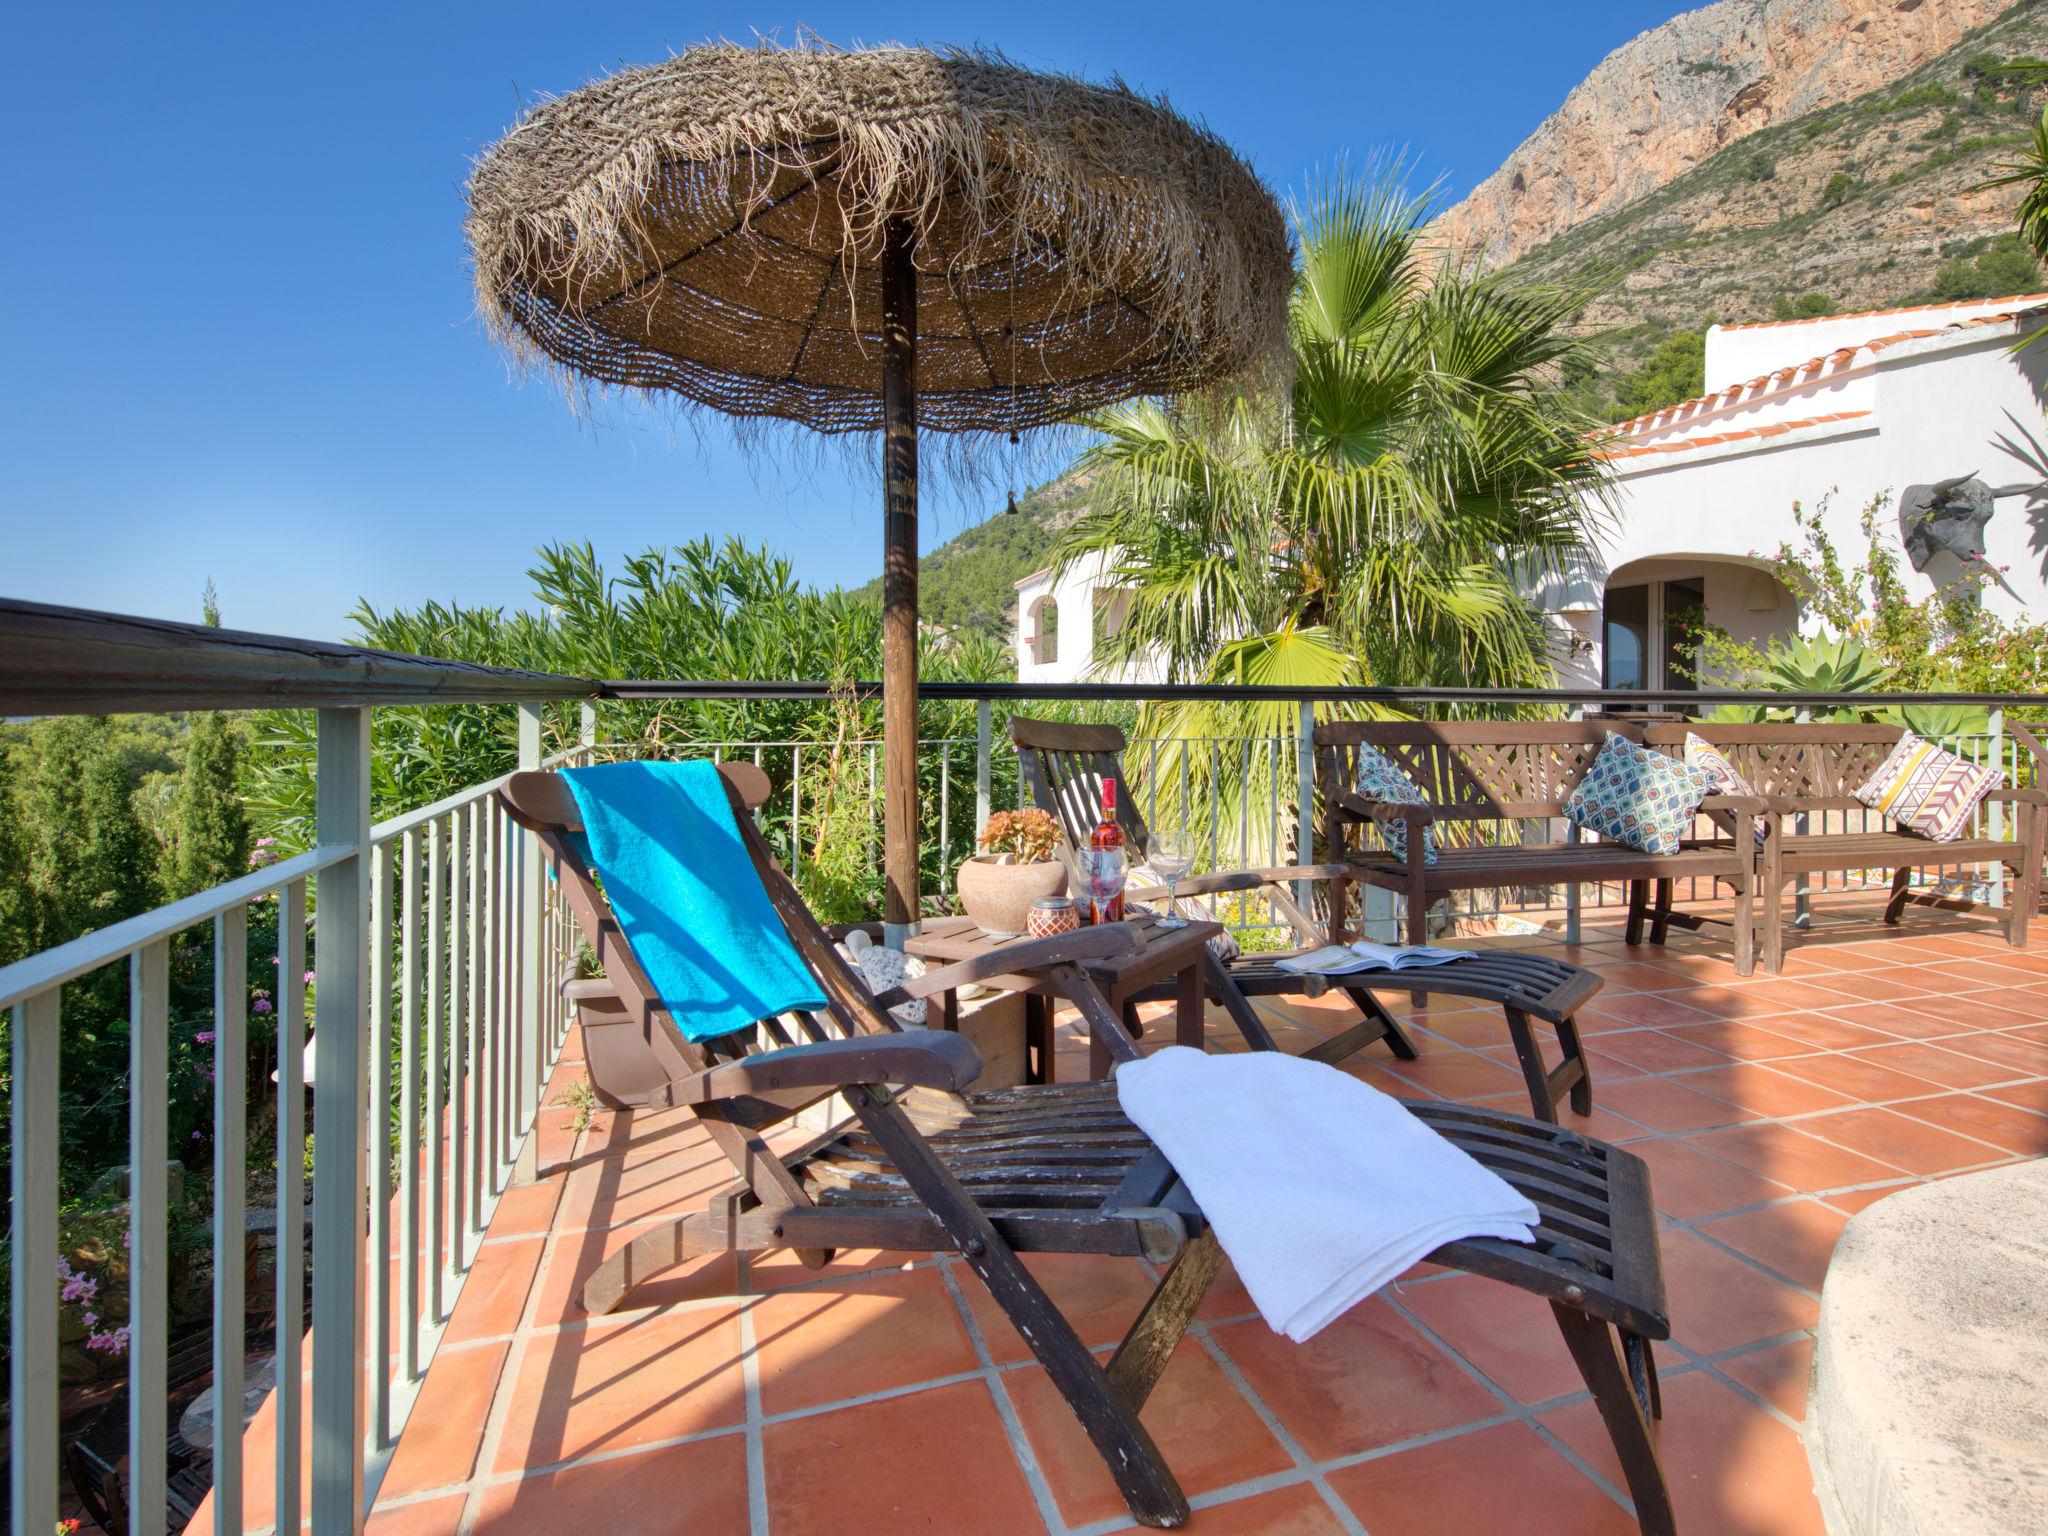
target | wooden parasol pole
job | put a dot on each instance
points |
(899, 579)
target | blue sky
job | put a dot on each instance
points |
(241, 343)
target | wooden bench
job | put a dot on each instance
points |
(1813, 823)
(1494, 789)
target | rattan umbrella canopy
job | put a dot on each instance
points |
(712, 226)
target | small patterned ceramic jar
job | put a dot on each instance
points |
(1055, 914)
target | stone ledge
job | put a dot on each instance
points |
(1927, 1415)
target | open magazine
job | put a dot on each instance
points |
(1340, 959)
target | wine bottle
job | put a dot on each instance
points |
(1106, 871)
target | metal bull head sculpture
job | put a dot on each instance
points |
(1947, 515)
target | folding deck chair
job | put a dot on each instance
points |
(1063, 767)
(924, 1163)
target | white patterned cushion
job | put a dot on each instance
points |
(1637, 796)
(1381, 778)
(882, 968)
(1721, 775)
(1927, 790)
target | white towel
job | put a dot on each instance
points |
(1320, 1187)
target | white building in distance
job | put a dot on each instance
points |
(1834, 411)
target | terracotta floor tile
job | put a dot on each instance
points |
(1603, 1122)
(1434, 1489)
(1457, 1075)
(2024, 1057)
(1366, 1380)
(1791, 1158)
(1819, 1032)
(2027, 1095)
(1913, 1145)
(1943, 1064)
(494, 1294)
(1208, 1433)
(1860, 1079)
(616, 1385)
(1850, 1201)
(1759, 999)
(660, 1180)
(1476, 1027)
(1667, 1104)
(2002, 1125)
(1294, 1511)
(574, 1256)
(1632, 1010)
(1508, 1333)
(819, 1345)
(1777, 1373)
(935, 1461)
(1686, 1183)
(1737, 1039)
(1967, 1010)
(1719, 1301)
(1732, 1468)
(526, 1209)
(1635, 976)
(445, 1429)
(1100, 1297)
(1795, 1239)
(1871, 986)
(1651, 1050)
(701, 1486)
(1764, 1090)
(429, 1517)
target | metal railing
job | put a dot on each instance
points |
(434, 939)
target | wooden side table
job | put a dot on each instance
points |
(1163, 952)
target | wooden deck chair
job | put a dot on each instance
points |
(926, 1164)
(1063, 767)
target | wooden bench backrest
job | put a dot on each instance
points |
(1063, 767)
(1821, 760)
(1474, 770)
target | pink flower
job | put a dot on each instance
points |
(307, 978)
(261, 1005)
(90, 1319)
(77, 1287)
(203, 1037)
(115, 1343)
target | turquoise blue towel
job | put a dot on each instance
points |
(662, 838)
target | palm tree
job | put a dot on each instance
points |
(1377, 525)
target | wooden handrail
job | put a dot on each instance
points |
(74, 661)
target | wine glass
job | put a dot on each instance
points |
(1169, 859)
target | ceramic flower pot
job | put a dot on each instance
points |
(998, 896)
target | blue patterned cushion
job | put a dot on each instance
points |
(1381, 778)
(1638, 797)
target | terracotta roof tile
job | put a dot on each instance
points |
(2017, 301)
(1840, 357)
(1739, 434)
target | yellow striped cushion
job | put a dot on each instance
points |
(1927, 790)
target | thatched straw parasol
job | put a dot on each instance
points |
(887, 238)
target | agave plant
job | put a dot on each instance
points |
(1824, 664)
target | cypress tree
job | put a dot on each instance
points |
(209, 827)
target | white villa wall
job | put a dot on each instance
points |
(1719, 506)
(1074, 595)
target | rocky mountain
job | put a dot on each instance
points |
(1872, 199)
(1682, 93)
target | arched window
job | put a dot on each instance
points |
(1045, 631)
